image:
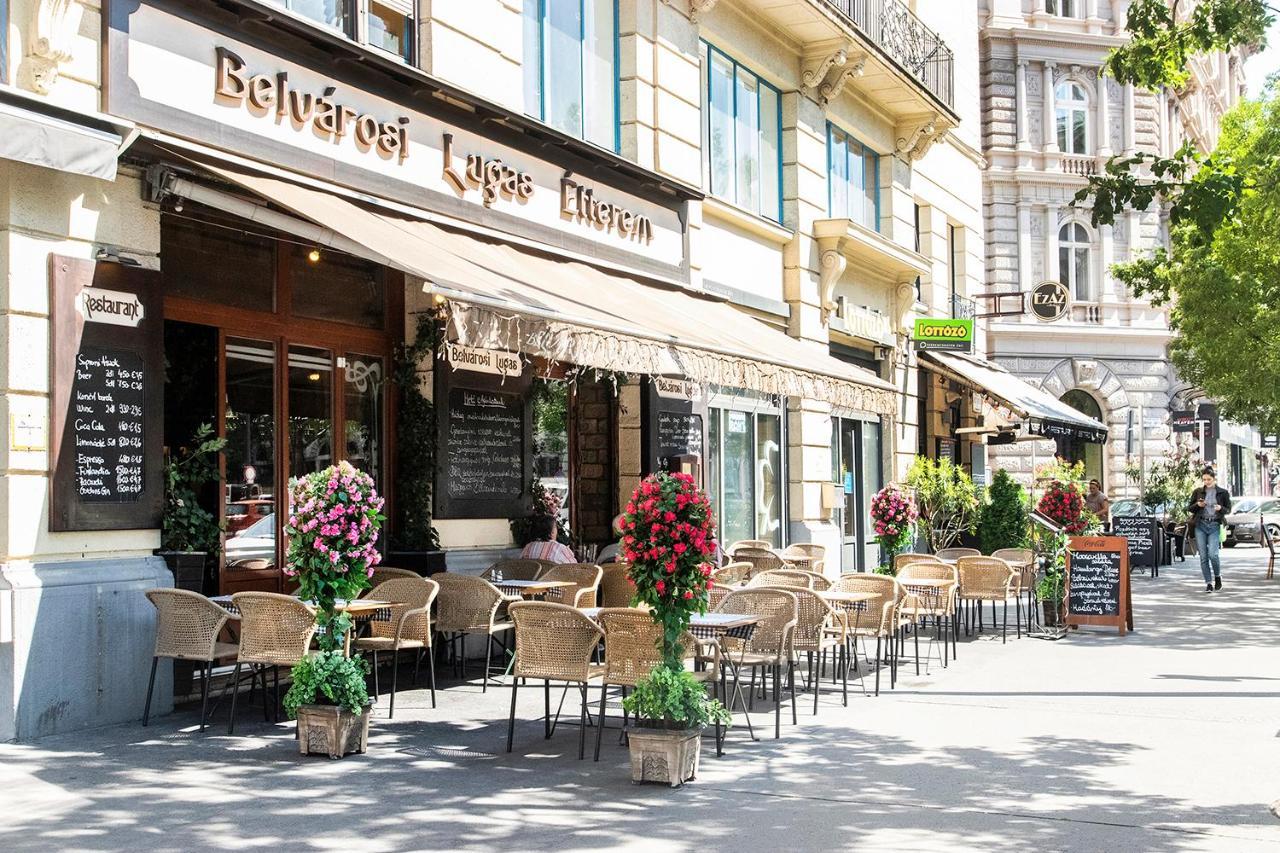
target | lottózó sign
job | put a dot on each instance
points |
(932, 333)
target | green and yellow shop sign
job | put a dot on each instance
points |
(943, 334)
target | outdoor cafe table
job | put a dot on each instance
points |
(360, 609)
(531, 589)
(713, 626)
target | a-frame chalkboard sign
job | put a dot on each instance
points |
(1098, 582)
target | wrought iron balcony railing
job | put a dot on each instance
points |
(917, 49)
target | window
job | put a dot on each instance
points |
(4, 41)
(744, 136)
(919, 285)
(570, 67)
(853, 179)
(744, 473)
(1073, 118)
(383, 24)
(952, 267)
(1073, 260)
(1063, 8)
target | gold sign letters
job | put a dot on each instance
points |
(262, 92)
(492, 177)
(580, 204)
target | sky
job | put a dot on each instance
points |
(1264, 63)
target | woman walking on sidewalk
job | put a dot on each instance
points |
(1209, 505)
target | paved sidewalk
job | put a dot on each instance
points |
(1163, 740)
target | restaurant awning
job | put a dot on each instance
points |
(504, 296)
(1045, 415)
(42, 134)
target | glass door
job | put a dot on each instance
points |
(856, 459)
(249, 424)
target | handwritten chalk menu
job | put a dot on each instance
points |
(484, 445)
(107, 426)
(1098, 582)
(108, 386)
(1143, 535)
(679, 434)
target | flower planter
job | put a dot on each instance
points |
(332, 731)
(188, 568)
(1054, 613)
(425, 563)
(664, 755)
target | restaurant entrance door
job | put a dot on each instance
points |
(285, 352)
(855, 456)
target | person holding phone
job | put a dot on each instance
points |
(1208, 507)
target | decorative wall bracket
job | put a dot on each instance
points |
(50, 34)
(825, 74)
(815, 74)
(831, 89)
(698, 7)
(904, 299)
(831, 264)
(915, 139)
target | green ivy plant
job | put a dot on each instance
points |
(1003, 519)
(946, 499)
(415, 471)
(328, 678)
(673, 699)
(1052, 584)
(185, 525)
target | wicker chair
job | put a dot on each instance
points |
(748, 543)
(470, 605)
(187, 628)
(616, 589)
(772, 643)
(408, 628)
(957, 553)
(585, 578)
(818, 582)
(516, 570)
(989, 579)
(820, 629)
(922, 602)
(717, 593)
(385, 573)
(806, 551)
(554, 642)
(901, 560)
(878, 617)
(275, 631)
(1023, 561)
(782, 578)
(732, 574)
(761, 560)
(632, 648)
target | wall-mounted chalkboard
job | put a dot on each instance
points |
(1098, 582)
(484, 445)
(673, 418)
(108, 386)
(679, 434)
(1143, 533)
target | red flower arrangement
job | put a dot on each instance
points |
(1065, 506)
(668, 539)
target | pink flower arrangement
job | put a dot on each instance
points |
(333, 523)
(893, 515)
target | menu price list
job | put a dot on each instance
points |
(1094, 583)
(486, 444)
(679, 434)
(107, 425)
(1141, 533)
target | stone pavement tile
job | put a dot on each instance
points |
(1163, 740)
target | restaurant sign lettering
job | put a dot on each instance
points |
(480, 360)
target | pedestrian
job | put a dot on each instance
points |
(1209, 505)
(1098, 503)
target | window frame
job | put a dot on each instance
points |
(761, 84)
(1064, 8)
(863, 151)
(1072, 244)
(356, 26)
(1066, 109)
(719, 406)
(615, 84)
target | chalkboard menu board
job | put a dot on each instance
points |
(679, 434)
(1143, 534)
(484, 445)
(673, 418)
(107, 396)
(1098, 582)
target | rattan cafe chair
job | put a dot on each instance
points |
(989, 579)
(554, 642)
(515, 570)
(632, 648)
(806, 550)
(585, 578)
(187, 628)
(275, 631)
(957, 553)
(936, 602)
(820, 629)
(761, 560)
(901, 560)
(771, 646)
(877, 618)
(410, 601)
(469, 605)
(782, 578)
(818, 582)
(616, 589)
(385, 573)
(732, 574)
(1023, 561)
(748, 543)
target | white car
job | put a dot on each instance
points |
(255, 542)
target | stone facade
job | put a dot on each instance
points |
(1111, 346)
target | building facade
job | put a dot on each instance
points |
(1051, 119)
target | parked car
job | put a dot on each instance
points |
(255, 542)
(1248, 515)
(242, 514)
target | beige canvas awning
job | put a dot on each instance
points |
(508, 297)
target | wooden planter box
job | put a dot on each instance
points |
(664, 755)
(332, 731)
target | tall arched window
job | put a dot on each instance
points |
(1073, 118)
(1073, 260)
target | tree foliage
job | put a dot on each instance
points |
(1164, 36)
(1003, 519)
(946, 499)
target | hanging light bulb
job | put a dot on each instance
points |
(313, 256)
(439, 298)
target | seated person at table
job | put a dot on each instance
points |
(544, 545)
(613, 550)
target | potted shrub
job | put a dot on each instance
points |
(333, 537)
(668, 541)
(415, 544)
(1003, 521)
(946, 498)
(189, 533)
(894, 514)
(1051, 588)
